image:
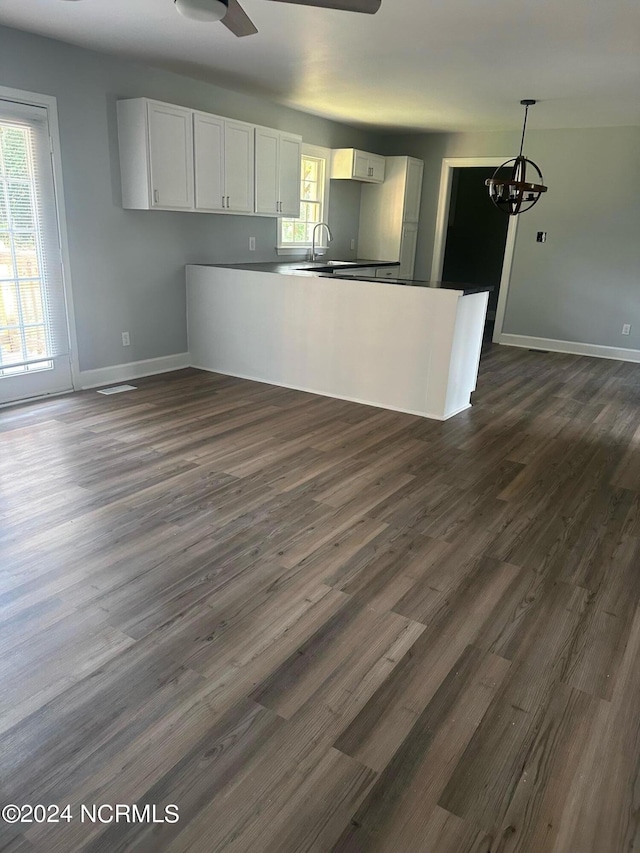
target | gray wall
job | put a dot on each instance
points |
(127, 267)
(584, 283)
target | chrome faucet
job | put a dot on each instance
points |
(313, 238)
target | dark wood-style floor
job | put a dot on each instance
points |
(319, 626)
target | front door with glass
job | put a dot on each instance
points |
(34, 337)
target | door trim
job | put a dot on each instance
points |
(50, 103)
(444, 199)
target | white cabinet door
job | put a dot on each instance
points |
(239, 166)
(408, 249)
(350, 164)
(376, 167)
(171, 156)
(278, 164)
(368, 167)
(361, 165)
(208, 137)
(289, 175)
(267, 183)
(413, 190)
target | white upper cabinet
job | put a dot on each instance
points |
(350, 164)
(267, 162)
(171, 157)
(156, 155)
(174, 158)
(278, 163)
(377, 165)
(290, 174)
(208, 138)
(239, 166)
(361, 168)
(223, 164)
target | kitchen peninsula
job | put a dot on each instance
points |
(399, 344)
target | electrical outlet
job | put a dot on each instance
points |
(126, 340)
(353, 243)
(626, 329)
(252, 244)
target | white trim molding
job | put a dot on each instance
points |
(442, 219)
(133, 370)
(571, 347)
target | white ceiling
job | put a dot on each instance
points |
(424, 64)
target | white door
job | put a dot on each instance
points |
(238, 166)
(208, 145)
(289, 174)
(408, 249)
(267, 156)
(34, 335)
(171, 155)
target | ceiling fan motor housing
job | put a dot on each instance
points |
(202, 10)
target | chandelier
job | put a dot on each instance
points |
(515, 192)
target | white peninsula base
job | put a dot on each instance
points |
(409, 348)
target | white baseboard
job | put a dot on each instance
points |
(133, 370)
(571, 347)
(335, 396)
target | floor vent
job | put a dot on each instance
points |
(117, 389)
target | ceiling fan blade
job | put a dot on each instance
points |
(238, 21)
(369, 7)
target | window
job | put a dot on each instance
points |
(296, 234)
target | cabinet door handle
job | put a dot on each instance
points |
(223, 201)
(228, 205)
(156, 197)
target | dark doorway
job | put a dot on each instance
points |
(476, 236)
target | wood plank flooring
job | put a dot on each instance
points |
(319, 626)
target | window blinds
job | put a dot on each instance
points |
(33, 323)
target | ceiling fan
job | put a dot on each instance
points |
(233, 16)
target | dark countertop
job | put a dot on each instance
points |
(318, 270)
